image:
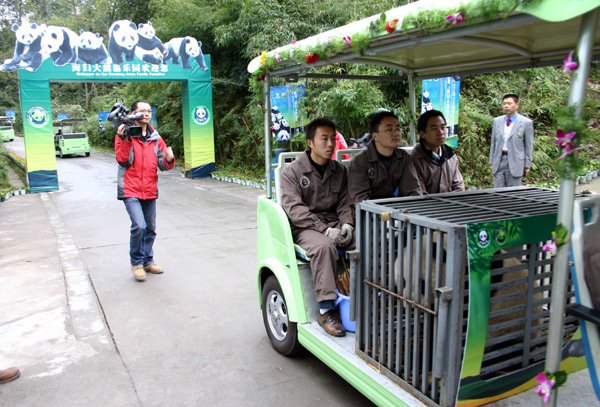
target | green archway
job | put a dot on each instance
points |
(198, 130)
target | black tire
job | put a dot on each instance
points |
(87, 154)
(282, 333)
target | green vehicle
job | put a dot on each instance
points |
(437, 288)
(7, 133)
(71, 138)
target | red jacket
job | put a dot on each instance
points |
(138, 163)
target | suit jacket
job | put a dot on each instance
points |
(520, 145)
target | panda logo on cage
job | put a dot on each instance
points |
(484, 238)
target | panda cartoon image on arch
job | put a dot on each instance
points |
(60, 43)
(149, 48)
(123, 38)
(185, 48)
(91, 50)
(28, 48)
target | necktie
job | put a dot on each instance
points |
(508, 121)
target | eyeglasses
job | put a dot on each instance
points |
(390, 131)
(145, 111)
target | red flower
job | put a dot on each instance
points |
(312, 57)
(390, 26)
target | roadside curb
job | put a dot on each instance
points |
(88, 319)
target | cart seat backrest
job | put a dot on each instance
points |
(284, 160)
(339, 155)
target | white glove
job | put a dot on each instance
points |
(346, 235)
(333, 234)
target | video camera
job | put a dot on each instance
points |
(119, 114)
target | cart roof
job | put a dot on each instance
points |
(539, 34)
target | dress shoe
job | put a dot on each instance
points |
(331, 323)
(138, 272)
(10, 374)
(154, 269)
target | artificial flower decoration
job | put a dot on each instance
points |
(312, 57)
(552, 247)
(277, 57)
(390, 26)
(456, 18)
(560, 235)
(347, 40)
(569, 64)
(263, 58)
(261, 78)
(565, 141)
(544, 387)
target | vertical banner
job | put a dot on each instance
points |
(198, 129)
(443, 94)
(102, 117)
(286, 120)
(39, 140)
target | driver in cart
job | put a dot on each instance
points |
(314, 194)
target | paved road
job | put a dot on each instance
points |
(84, 333)
(191, 337)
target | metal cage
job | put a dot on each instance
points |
(411, 296)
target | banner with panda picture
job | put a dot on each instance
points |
(286, 118)
(127, 53)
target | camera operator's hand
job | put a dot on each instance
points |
(120, 131)
(169, 155)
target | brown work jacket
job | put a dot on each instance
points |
(312, 201)
(369, 179)
(437, 176)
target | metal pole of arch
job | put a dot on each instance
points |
(589, 23)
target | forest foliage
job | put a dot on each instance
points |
(235, 31)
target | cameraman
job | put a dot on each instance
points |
(139, 158)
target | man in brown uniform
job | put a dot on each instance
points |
(383, 170)
(314, 194)
(435, 162)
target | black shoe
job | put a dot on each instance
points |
(331, 323)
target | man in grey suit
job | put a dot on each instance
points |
(512, 145)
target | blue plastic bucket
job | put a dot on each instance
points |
(343, 305)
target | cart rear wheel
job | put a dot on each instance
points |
(87, 154)
(282, 333)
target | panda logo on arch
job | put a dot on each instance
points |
(37, 116)
(201, 115)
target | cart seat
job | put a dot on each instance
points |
(584, 309)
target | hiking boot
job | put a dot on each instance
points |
(154, 269)
(331, 323)
(10, 374)
(138, 272)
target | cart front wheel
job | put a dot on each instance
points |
(282, 333)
